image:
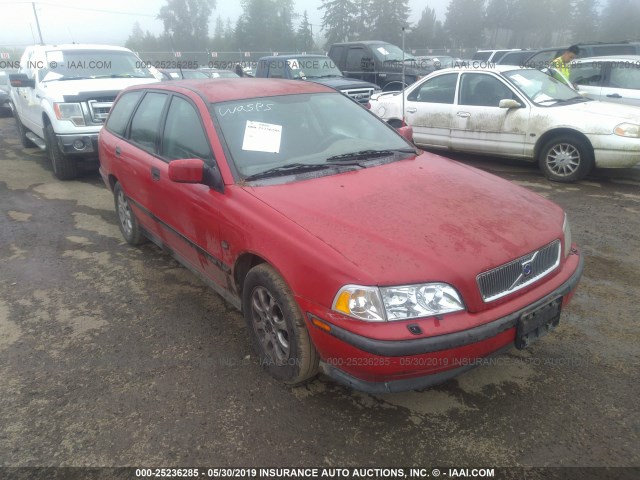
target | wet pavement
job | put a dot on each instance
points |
(112, 355)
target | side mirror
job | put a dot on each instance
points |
(509, 103)
(194, 170)
(19, 80)
(406, 132)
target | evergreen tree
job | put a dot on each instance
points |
(583, 21)
(464, 22)
(422, 34)
(338, 20)
(304, 36)
(387, 20)
(621, 21)
(187, 22)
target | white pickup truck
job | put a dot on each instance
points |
(62, 95)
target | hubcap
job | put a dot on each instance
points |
(563, 159)
(270, 326)
(124, 214)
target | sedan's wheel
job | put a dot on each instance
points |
(127, 221)
(566, 159)
(277, 326)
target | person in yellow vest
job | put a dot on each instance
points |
(561, 64)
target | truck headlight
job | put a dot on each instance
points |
(403, 302)
(69, 111)
(566, 231)
(627, 130)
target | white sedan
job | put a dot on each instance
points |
(516, 112)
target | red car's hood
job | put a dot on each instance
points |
(417, 220)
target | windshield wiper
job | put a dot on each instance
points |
(288, 170)
(566, 100)
(363, 154)
(64, 79)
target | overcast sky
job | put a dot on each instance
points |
(91, 21)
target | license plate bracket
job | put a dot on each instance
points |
(538, 322)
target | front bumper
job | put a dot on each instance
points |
(613, 151)
(68, 146)
(424, 362)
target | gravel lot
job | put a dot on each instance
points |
(116, 356)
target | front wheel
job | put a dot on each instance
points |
(566, 158)
(64, 167)
(277, 327)
(22, 130)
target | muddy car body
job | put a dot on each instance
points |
(346, 248)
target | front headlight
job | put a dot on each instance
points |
(566, 231)
(627, 130)
(69, 111)
(397, 303)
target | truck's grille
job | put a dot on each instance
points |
(519, 273)
(99, 109)
(361, 95)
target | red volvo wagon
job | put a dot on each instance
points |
(347, 250)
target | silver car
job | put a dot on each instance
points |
(609, 79)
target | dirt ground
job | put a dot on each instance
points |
(112, 355)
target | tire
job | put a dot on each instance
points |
(395, 123)
(277, 327)
(64, 167)
(127, 221)
(22, 132)
(566, 159)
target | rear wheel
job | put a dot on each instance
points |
(566, 158)
(64, 167)
(277, 327)
(127, 220)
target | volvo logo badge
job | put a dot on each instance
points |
(527, 268)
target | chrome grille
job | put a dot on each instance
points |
(99, 110)
(519, 273)
(361, 95)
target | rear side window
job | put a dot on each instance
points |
(184, 136)
(588, 74)
(440, 89)
(625, 75)
(146, 120)
(121, 111)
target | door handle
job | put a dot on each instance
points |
(38, 96)
(463, 114)
(412, 110)
(117, 151)
(155, 174)
(614, 95)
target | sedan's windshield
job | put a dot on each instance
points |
(390, 53)
(541, 88)
(295, 131)
(71, 64)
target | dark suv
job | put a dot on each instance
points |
(378, 62)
